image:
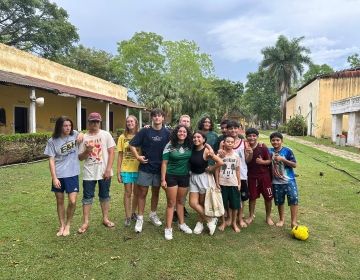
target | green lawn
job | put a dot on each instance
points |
(329, 206)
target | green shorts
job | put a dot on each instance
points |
(231, 197)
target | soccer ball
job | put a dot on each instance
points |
(300, 232)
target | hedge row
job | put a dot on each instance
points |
(25, 147)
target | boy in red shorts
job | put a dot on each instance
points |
(259, 179)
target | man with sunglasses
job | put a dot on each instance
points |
(98, 150)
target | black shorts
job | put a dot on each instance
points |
(244, 191)
(182, 181)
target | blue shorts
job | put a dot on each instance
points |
(129, 177)
(89, 190)
(68, 184)
(289, 189)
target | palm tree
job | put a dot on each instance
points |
(285, 63)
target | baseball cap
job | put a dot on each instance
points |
(94, 117)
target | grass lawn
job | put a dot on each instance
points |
(329, 206)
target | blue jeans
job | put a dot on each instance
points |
(89, 190)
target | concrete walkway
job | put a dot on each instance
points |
(337, 152)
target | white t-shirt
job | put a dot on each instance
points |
(95, 164)
(227, 175)
(240, 150)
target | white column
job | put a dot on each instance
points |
(32, 113)
(127, 112)
(336, 127)
(354, 128)
(140, 119)
(107, 121)
(78, 113)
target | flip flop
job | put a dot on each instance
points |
(109, 224)
(83, 229)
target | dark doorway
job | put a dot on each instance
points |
(21, 120)
(111, 121)
(83, 119)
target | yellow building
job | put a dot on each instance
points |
(35, 91)
(318, 99)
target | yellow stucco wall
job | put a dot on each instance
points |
(290, 108)
(24, 63)
(321, 92)
(55, 106)
(331, 90)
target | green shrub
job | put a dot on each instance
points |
(22, 147)
(282, 128)
(297, 126)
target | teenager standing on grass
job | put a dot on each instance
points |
(229, 181)
(175, 176)
(62, 150)
(127, 169)
(206, 126)
(151, 141)
(98, 152)
(283, 179)
(259, 179)
(199, 180)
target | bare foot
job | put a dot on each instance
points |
(294, 225)
(235, 227)
(243, 224)
(60, 232)
(108, 224)
(222, 226)
(228, 222)
(269, 221)
(249, 220)
(83, 228)
(279, 223)
(66, 230)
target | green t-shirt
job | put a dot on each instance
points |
(178, 159)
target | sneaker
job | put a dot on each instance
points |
(139, 225)
(168, 234)
(133, 217)
(198, 228)
(175, 217)
(127, 222)
(184, 228)
(212, 225)
(154, 219)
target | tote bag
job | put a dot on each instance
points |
(214, 206)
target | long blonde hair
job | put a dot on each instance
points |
(127, 131)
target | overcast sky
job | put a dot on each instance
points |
(233, 32)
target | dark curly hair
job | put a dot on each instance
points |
(201, 123)
(174, 138)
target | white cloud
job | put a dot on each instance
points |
(330, 28)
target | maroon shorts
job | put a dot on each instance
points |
(260, 185)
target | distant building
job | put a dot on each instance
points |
(27, 81)
(331, 105)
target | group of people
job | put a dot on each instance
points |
(180, 161)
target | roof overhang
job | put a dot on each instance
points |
(27, 81)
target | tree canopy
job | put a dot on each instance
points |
(37, 26)
(285, 62)
(354, 60)
(316, 70)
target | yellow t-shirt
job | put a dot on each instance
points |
(129, 162)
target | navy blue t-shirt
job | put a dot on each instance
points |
(152, 143)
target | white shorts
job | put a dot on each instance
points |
(199, 183)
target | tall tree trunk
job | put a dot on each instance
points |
(283, 106)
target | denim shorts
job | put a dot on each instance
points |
(68, 184)
(289, 189)
(129, 177)
(89, 190)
